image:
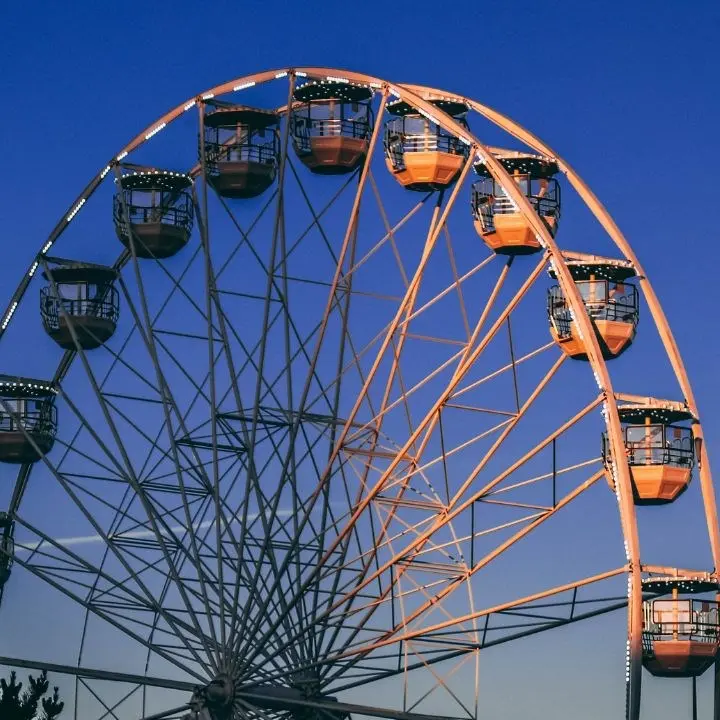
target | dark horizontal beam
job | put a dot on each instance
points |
(278, 697)
(95, 674)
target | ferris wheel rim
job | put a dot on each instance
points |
(597, 363)
(257, 78)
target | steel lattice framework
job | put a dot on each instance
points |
(317, 432)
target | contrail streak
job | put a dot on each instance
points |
(92, 539)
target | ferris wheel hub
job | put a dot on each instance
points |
(215, 699)
(220, 691)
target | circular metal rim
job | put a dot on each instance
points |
(667, 337)
(413, 94)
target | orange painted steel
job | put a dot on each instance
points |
(425, 535)
(483, 562)
(666, 335)
(454, 507)
(672, 350)
(501, 607)
(594, 352)
(676, 573)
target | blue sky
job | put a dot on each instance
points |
(626, 92)
(623, 91)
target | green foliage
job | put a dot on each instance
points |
(18, 705)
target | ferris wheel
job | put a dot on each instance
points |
(313, 384)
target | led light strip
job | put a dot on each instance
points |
(31, 386)
(9, 315)
(75, 210)
(155, 131)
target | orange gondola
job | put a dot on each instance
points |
(659, 448)
(681, 636)
(331, 125)
(421, 154)
(153, 212)
(241, 150)
(610, 300)
(28, 419)
(498, 221)
(80, 304)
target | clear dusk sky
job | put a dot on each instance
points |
(627, 92)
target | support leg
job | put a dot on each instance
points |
(634, 659)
